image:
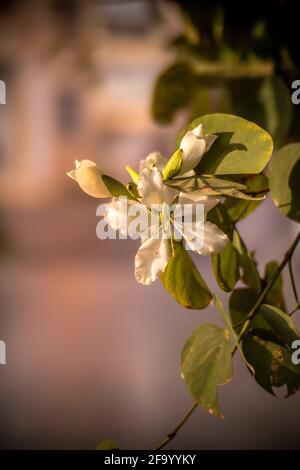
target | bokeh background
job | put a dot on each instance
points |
(91, 354)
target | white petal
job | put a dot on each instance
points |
(194, 144)
(210, 139)
(196, 197)
(152, 188)
(119, 214)
(203, 238)
(214, 239)
(192, 233)
(199, 131)
(89, 177)
(154, 159)
(116, 215)
(193, 149)
(151, 259)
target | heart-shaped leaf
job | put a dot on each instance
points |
(184, 282)
(206, 363)
(242, 147)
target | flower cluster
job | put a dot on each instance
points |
(153, 189)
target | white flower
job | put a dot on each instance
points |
(89, 177)
(154, 253)
(154, 159)
(193, 145)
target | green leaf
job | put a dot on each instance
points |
(107, 445)
(247, 263)
(284, 177)
(275, 294)
(206, 363)
(272, 363)
(183, 281)
(238, 209)
(173, 166)
(173, 90)
(132, 173)
(226, 267)
(241, 302)
(242, 147)
(278, 322)
(116, 188)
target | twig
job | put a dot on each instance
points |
(293, 282)
(294, 310)
(173, 433)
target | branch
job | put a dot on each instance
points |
(173, 433)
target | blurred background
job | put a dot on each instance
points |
(91, 354)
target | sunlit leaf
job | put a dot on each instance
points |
(183, 281)
(242, 147)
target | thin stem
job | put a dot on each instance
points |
(173, 433)
(294, 310)
(293, 282)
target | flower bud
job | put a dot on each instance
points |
(193, 145)
(89, 177)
